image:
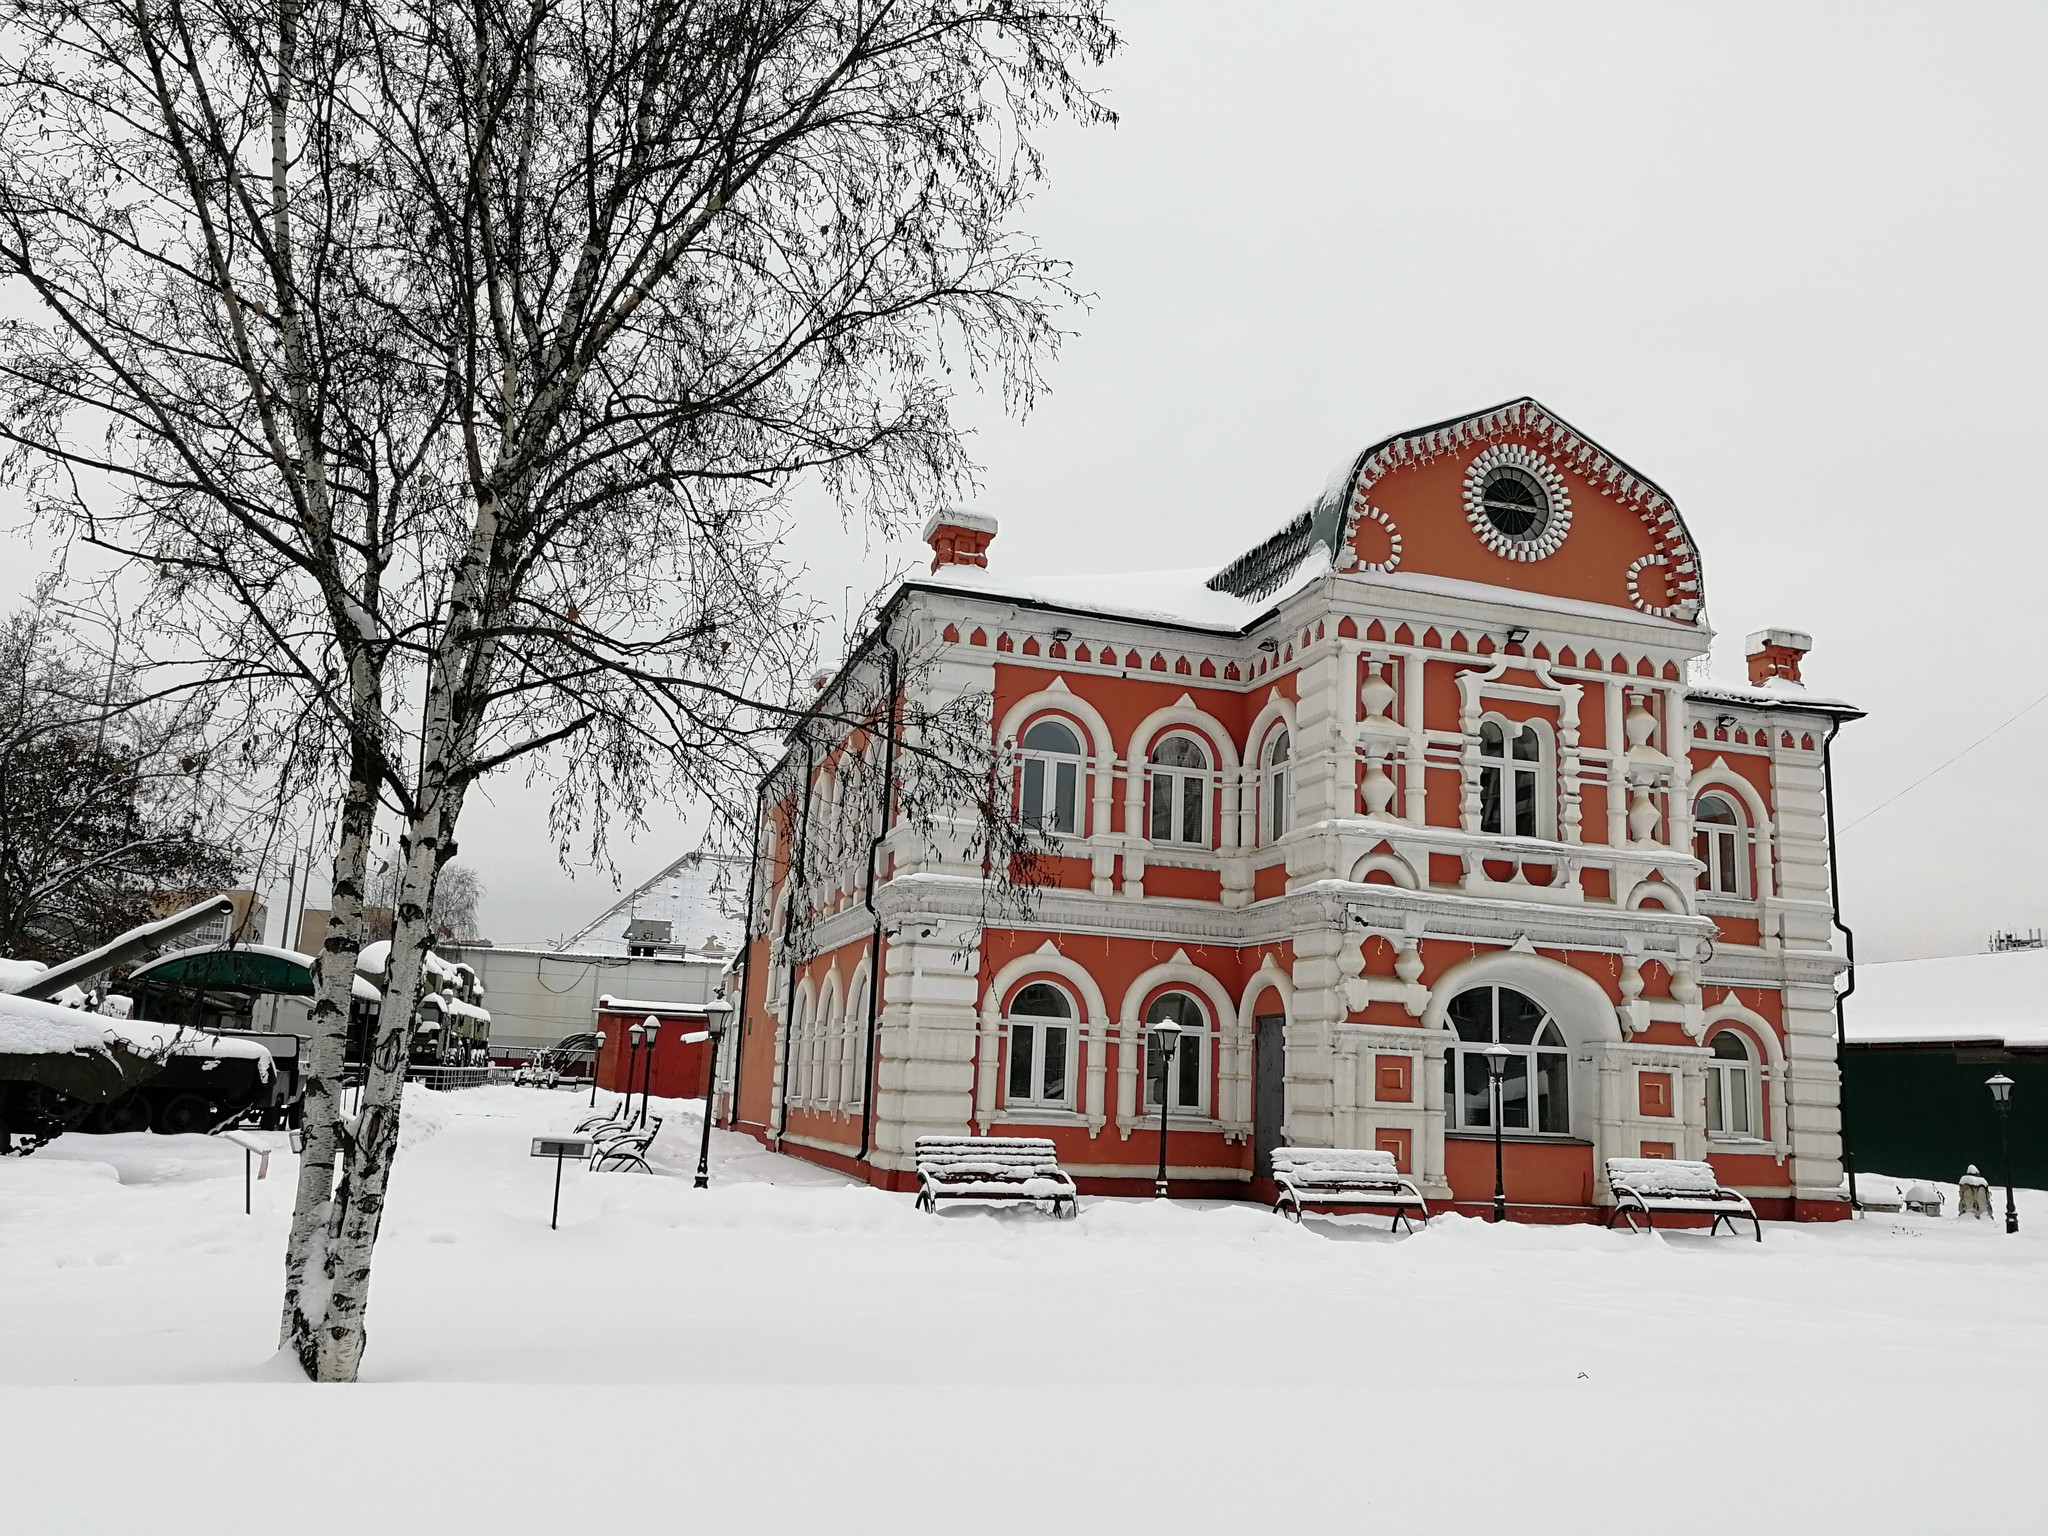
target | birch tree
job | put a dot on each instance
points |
(635, 271)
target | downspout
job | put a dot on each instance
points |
(1827, 774)
(754, 862)
(867, 1093)
(796, 871)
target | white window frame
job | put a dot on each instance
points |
(1177, 781)
(1722, 848)
(1507, 769)
(1276, 807)
(1465, 1063)
(1203, 1039)
(1038, 1025)
(854, 1086)
(1731, 1081)
(1050, 766)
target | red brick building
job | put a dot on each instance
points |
(1429, 770)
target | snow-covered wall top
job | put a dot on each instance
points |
(1998, 996)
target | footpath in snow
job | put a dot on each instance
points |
(788, 1351)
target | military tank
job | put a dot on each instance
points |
(64, 1068)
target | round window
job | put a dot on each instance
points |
(1515, 503)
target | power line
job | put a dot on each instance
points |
(1930, 773)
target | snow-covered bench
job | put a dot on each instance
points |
(993, 1168)
(1645, 1185)
(1355, 1178)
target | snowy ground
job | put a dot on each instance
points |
(787, 1351)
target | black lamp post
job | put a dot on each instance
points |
(1496, 1071)
(2001, 1095)
(650, 1027)
(1165, 1038)
(717, 1013)
(595, 1057)
(632, 1067)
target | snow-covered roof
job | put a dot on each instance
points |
(1775, 693)
(1180, 597)
(699, 897)
(17, 973)
(1999, 996)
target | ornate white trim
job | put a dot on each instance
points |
(1682, 609)
(1366, 511)
(1515, 456)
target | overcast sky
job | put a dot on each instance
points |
(1787, 260)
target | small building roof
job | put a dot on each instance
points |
(1999, 997)
(699, 896)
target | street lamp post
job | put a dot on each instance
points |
(1496, 1071)
(649, 1026)
(632, 1067)
(1165, 1037)
(595, 1057)
(2001, 1095)
(717, 1014)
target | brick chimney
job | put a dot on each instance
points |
(959, 536)
(1776, 653)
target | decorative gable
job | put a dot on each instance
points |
(1511, 497)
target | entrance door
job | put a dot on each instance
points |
(1269, 1091)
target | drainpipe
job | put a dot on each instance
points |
(796, 871)
(754, 862)
(1827, 774)
(867, 1094)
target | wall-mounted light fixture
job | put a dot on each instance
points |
(1517, 635)
(1062, 636)
(1269, 646)
(1724, 722)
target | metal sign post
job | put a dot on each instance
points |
(560, 1148)
(251, 1148)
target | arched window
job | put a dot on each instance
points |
(1041, 1028)
(796, 1068)
(1279, 750)
(1190, 1066)
(1731, 1086)
(1510, 769)
(855, 1083)
(1053, 764)
(1537, 1064)
(1180, 792)
(825, 1053)
(1718, 842)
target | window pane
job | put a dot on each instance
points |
(1034, 792)
(1727, 851)
(1514, 1094)
(1176, 1008)
(1475, 1107)
(1717, 1120)
(1728, 1046)
(1489, 799)
(1065, 778)
(1738, 1101)
(1162, 807)
(1022, 1037)
(1051, 736)
(1528, 745)
(1471, 1014)
(1276, 801)
(1188, 1064)
(1525, 805)
(1042, 1001)
(1519, 1017)
(1553, 1102)
(1055, 1065)
(1193, 792)
(1491, 742)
